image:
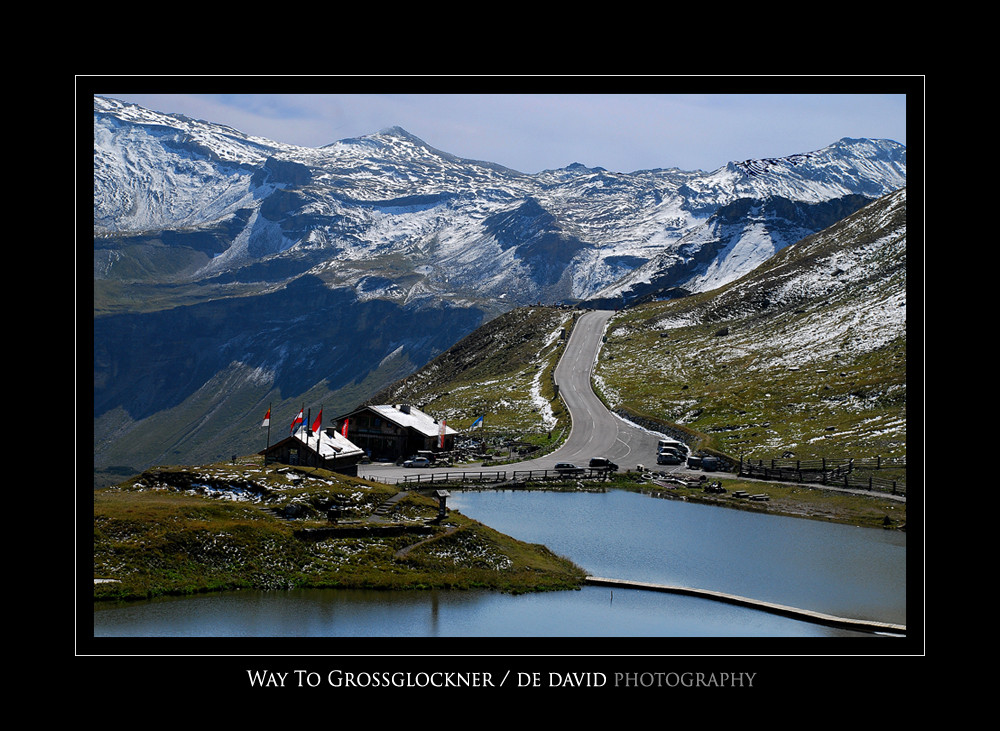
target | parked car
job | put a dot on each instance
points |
(602, 463)
(666, 457)
(710, 464)
(417, 462)
(568, 468)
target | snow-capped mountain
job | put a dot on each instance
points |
(465, 228)
(736, 239)
(231, 270)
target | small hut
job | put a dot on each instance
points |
(327, 449)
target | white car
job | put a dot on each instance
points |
(417, 462)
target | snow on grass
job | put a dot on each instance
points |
(540, 403)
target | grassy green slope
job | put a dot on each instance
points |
(502, 371)
(158, 534)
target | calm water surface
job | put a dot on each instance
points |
(840, 570)
(836, 569)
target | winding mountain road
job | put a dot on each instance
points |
(596, 432)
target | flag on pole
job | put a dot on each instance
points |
(477, 422)
(318, 422)
(298, 421)
(441, 437)
(267, 423)
(343, 429)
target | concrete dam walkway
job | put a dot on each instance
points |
(861, 625)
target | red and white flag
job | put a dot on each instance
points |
(441, 438)
(267, 418)
(298, 421)
(343, 429)
(318, 422)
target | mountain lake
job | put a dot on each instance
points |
(835, 569)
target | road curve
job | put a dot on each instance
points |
(596, 432)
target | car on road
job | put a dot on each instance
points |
(603, 463)
(568, 468)
(666, 457)
(417, 462)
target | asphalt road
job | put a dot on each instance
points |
(596, 431)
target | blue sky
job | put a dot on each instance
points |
(537, 131)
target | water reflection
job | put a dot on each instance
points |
(591, 612)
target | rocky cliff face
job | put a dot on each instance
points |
(736, 238)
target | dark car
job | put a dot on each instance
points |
(666, 457)
(568, 468)
(602, 463)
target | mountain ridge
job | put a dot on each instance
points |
(352, 202)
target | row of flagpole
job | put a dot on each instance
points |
(300, 420)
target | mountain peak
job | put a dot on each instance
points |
(397, 131)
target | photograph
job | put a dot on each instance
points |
(516, 384)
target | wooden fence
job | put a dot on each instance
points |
(437, 477)
(490, 477)
(846, 472)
